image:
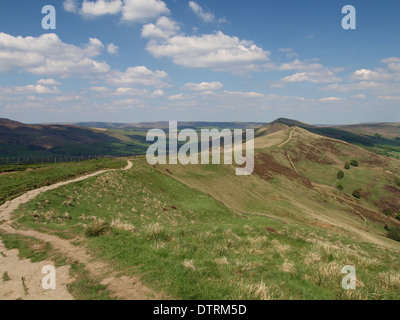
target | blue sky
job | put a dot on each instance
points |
(215, 60)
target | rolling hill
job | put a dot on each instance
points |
(383, 138)
(201, 232)
(23, 140)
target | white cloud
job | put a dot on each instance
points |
(365, 74)
(218, 52)
(143, 10)
(138, 76)
(199, 11)
(158, 93)
(29, 89)
(290, 53)
(71, 6)
(330, 99)
(204, 86)
(391, 98)
(100, 7)
(393, 63)
(112, 49)
(359, 86)
(100, 89)
(48, 55)
(163, 29)
(48, 82)
(176, 97)
(360, 96)
(311, 72)
(250, 94)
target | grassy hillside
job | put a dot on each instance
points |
(18, 179)
(382, 138)
(201, 232)
(22, 140)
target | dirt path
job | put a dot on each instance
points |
(7, 208)
(129, 288)
(290, 138)
(22, 279)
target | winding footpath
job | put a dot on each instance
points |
(22, 279)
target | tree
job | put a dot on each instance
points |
(339, 186)
(357, 193)
(347, 166)
(388, 212)
(354, 163)
(340, 175)
(394, 234)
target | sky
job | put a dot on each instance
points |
(205, 60)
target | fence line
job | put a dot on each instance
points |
(41, 160)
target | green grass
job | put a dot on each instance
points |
(185, 243)
(6, 277)
(35, 176)
(84, 287)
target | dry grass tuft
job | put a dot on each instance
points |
(189, 264)
(126, 226)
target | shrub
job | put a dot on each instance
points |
(394, 234)
(357, 193)
(354, 163)
(397, 180)
(339, 187)
(347, 166)
(388, 212)
(340, 175)
(97, 228)
(398, 216)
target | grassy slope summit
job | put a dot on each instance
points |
(201, 232)
(383, 138)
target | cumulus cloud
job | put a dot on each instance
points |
(143, 10)
(48, 55)
(138, 76)
(217, 52)
(204, 86)
(48, 82)
(112, 49)
(131, 10)
(163, 29)
(199, 11)
(100, 7)
(330, 99)
(29, 89)
(177, 97)
(393, 63)
(311, 72)
(71, 6)
(366, 74)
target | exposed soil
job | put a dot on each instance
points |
(23, 278)
(122, 287)
(266, 167)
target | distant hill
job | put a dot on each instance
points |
(23, 140)
(383, 138)
(165, 124)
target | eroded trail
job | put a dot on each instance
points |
(288, 140)
(129, 288)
